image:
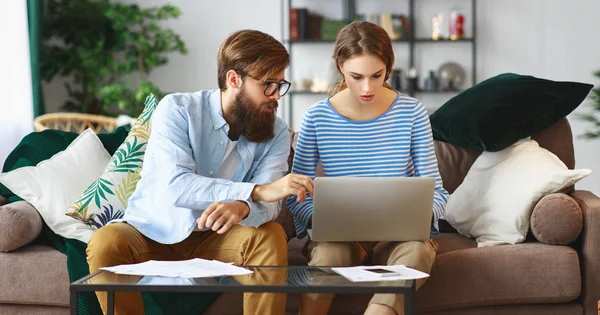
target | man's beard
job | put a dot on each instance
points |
(255, 123)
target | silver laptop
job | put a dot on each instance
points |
(372, 209)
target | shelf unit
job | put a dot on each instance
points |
(348, 7)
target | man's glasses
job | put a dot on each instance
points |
(271, 87)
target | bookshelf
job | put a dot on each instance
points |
(414, 42)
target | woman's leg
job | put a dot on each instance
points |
(416, 255)
(323, 254)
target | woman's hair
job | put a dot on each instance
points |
(361, 38)
(251, 52)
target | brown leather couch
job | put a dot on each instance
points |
(528, 278)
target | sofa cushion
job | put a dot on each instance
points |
(494, 202)
(454, 163)
(20, 224)
(16, 309)
(52, 185)
(34, 274)
(449, 242)
(536, 309)
(526, 273)
(105, 199)
(499, 111)
(556, 219)
(558, 139)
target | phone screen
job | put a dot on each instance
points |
(380, 270)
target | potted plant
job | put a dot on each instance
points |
(592, 118)
(101, 44)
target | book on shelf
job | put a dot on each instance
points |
(304, 25)
(396, 25)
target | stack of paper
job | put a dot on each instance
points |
(397, 272)
(193, 268)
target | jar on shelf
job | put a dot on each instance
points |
(457, 22)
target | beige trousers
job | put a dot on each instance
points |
(415, 254)
(120, 243)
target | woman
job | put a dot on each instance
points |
(365, 129)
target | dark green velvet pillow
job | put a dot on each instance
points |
(497, 112)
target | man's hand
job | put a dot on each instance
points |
(291, 184)
(221, 216)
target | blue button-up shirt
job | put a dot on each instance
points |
(185, 150)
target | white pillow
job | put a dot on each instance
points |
(494, 202)
(54, 184)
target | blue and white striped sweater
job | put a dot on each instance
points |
(395, 144)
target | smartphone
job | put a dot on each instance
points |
(383, 272)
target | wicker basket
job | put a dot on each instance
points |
(75, 122)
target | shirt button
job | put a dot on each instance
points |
(211, 172)
(216, 126)
(222, 142)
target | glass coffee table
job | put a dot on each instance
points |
(289, 279)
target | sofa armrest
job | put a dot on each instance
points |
(3, 200)
(589, 253)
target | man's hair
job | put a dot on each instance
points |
(251, 52)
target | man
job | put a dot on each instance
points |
(212, 176)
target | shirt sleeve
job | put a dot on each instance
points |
(176, 166)
(271, 167)
(306, 159)
(425, 161)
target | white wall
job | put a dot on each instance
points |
(554, 39)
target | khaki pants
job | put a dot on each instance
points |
(120, 243)
(416, 255)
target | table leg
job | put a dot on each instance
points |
(409, 301)
(110, 303)
(73, 302)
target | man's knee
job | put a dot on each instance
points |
(271, 236)
(110, 242)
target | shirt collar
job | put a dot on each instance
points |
(216, 110)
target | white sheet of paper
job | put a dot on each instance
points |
(358, 273)
(193, 268)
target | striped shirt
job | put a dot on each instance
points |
(398, 143)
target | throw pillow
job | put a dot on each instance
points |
(556, 219)
(106, 198)
(39, 146)
(20, 224)
(53, 184)
(497, 112)
(495, 200)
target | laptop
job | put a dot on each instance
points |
(372, 208)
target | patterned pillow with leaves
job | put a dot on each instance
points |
(106, 198)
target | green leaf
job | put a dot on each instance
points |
(101, 44)
(127, 186)
(127, 157)
(95, 192)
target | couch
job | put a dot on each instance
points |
(529, 278)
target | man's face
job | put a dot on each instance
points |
(254, 115)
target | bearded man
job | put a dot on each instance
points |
(213, 176)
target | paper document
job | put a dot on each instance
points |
(397, 272)
(193, 268)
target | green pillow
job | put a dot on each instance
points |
(40, 146)
(497, 112)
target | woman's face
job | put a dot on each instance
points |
(365, 76)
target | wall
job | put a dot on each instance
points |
(553, 39)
